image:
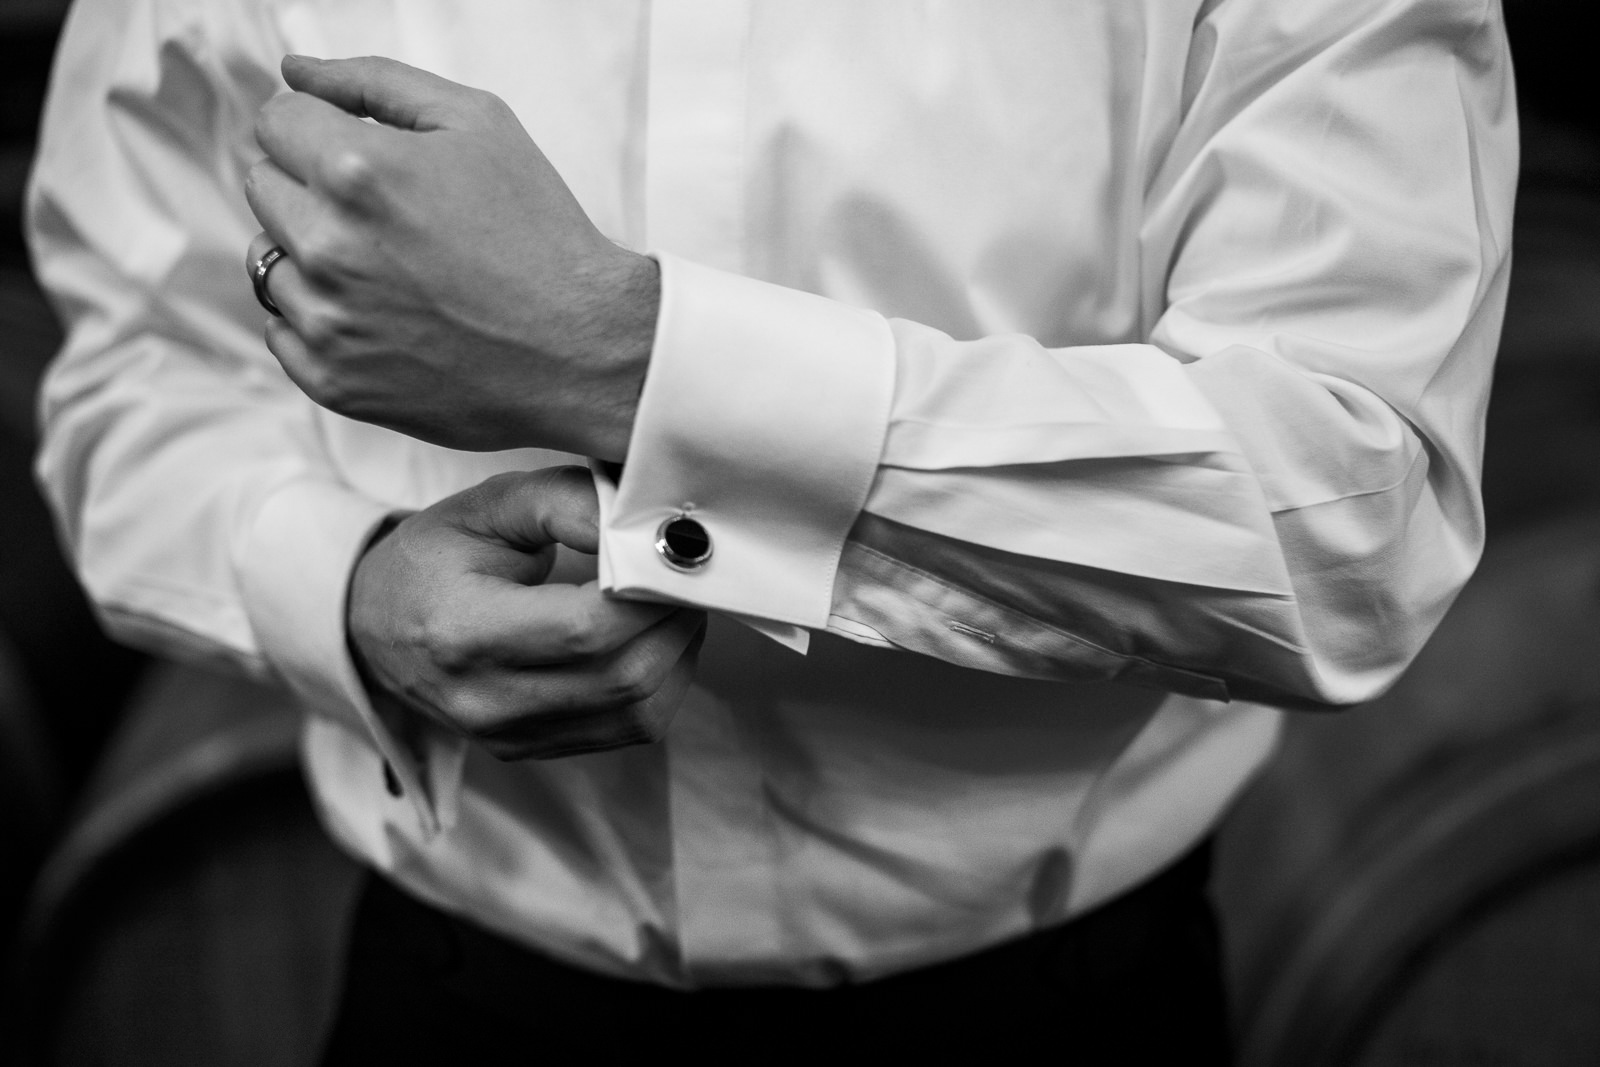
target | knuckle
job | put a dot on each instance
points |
(318, 327)
(449, 647)
(580, 636)
(320, 385)
(472, 714)
(646, 725)
(572, 478)
(626, 684)
(267, 118)
(568, 488)
(487, 105)
(315, 255)
(352, 175)
(253, 177)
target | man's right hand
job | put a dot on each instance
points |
(446, 615)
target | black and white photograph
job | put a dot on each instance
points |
(799, 531)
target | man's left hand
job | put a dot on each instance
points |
(441, 279)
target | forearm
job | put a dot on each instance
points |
(191, 480)
(1270, 488)
(1107, 520)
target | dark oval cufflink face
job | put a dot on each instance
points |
(683, 543)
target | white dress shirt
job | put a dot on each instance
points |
(1084, 378)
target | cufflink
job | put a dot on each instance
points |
(683, 543)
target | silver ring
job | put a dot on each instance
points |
(258, 277)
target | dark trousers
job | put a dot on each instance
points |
(1137, 980)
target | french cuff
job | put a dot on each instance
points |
(757, 437)
(294, 566)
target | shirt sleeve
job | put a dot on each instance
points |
(1272, 495)
(191, 483)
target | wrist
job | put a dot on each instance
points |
(629, 299)
(355, 596)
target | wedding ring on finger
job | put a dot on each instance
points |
(258, 277)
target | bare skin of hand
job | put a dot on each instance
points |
(447, 617)
(441, 279)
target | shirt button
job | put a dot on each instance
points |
(683, 543)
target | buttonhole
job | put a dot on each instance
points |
(971, 631)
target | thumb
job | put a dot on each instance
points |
(390, 91)
(536, 508)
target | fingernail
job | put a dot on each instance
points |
(298, 58)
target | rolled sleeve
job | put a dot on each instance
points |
(1268, 488)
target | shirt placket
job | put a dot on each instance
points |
(694, 148)
(694, 208)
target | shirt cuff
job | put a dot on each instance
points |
(294, 566)
(762, 417)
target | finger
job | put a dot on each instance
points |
(390, 91)
(534, 508)
(283, 206)
(572, 567)
(285, 284)
(522, 566)
(627, 677)
(627, 701)
(259, 246)
(295, 358)
(503, 624)
(492, 700)
(316, 143)
(656, 710)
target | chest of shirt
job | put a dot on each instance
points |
(976, 167)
